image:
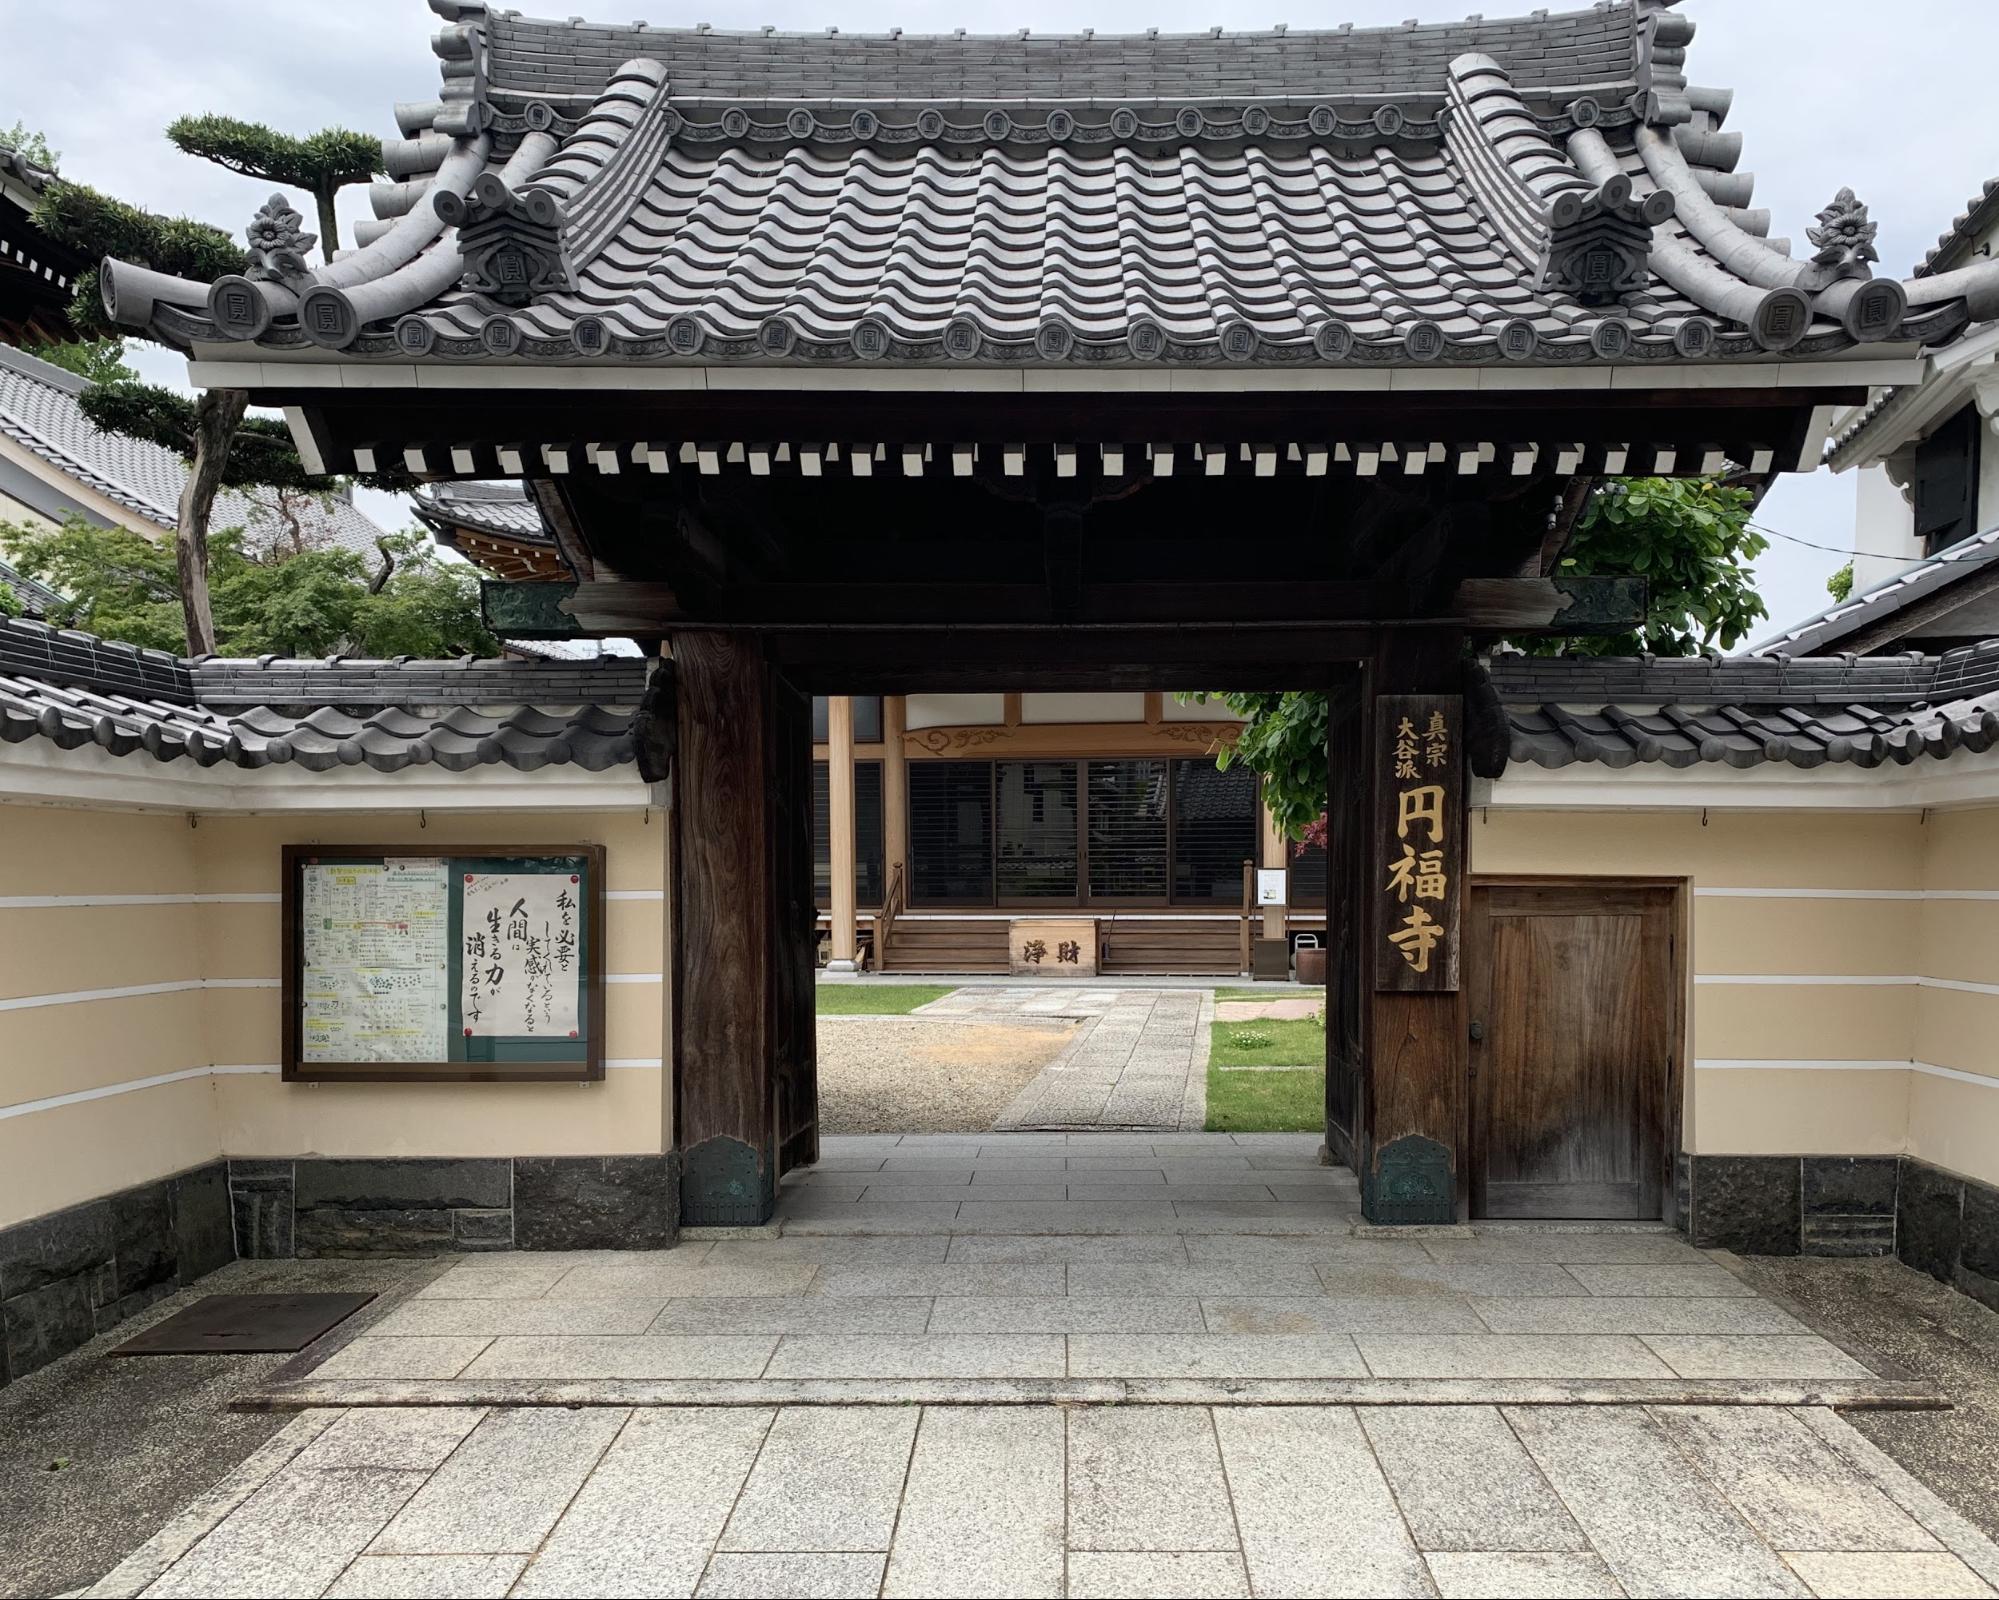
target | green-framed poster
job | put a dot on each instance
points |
(403, 965)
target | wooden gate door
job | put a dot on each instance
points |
(1575, 1031)
(794, 932)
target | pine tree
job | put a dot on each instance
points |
(320, 163)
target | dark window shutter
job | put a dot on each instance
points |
(1308, 876)
(1036, 832)
(1128, 810)
(1946, 482)
(822, 835)
(951, 833)
(1214, 831)
(870, 844)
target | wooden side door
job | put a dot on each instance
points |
(1575, 1030)
(794, 930)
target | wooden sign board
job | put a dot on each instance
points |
(402, 966)
(1417, 843)
(1051, 947)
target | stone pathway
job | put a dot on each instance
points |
(1083, 1267)
(1139, 1060)
(1045, 1500)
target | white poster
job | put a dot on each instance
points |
(521, 955)
(373, 944)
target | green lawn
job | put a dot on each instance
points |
(1267, 1102)
(1272, 991)
(877, 999)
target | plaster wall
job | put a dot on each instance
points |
(1843, 969)
(79, 1114)
(1884, 529)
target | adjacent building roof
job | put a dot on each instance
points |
(1542, 191)
(37, 275)
(494, 525)
(35, 598)
(77, 690)
(1932, 580)
(1746, 711)
(40, 414)
(1955, 244)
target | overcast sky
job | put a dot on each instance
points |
(1894, 100)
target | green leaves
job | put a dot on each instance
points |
(268, 597)
(319, 162)
(1840, 584)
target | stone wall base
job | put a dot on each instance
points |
(68, 1276)
(1932, 1220)
(316, 1206)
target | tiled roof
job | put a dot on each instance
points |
(75, 690)
(1979, 214)
(1825, 631)
(502, 509)
(1748, 711)
(35, 598)
(39, 411)
(1542, 191)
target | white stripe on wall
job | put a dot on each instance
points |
(107, 1091)
(634, 977)
(1793, 979)
(132, 991)
(1846, 894)
(45, 902)
(634, 894)
(1928, 1069)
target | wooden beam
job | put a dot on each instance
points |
(1551, 605)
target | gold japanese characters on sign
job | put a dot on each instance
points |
(1421, 853)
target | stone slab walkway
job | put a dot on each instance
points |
(1043, 1500)
(1089, 1267)
(1139, 1060)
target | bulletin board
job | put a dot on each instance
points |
(407, 966)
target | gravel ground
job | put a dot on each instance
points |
(1938, 1334)
(927, 1075)
(140, 1436)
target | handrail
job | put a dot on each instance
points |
(1248, 902)
(891, 907)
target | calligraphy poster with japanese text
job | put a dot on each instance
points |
(521, 975)
(1417, 847)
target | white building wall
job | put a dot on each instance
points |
(1884, 526)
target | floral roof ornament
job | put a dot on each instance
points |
(278, 244)
(1845, 236)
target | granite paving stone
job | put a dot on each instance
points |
(1067, 1314)
(1568, 1249)
(508, 1278)
(662, 1277)
(827, 1478)
(1521, 1575)
(805, 1575)
(800, 1314)
(1338, 1314)
(1020, 1249)
(997, 1193)
(1309, 1249)
(1754, 1356)
(491, 1317)
(623, 1356)
(648, 1517)
(1661, 1282)
(295, 1535)
(1287, 1467)
(1618, 1314)
(1506, 1279)
(919, 1356)
(1214, 1356)
(1659, 1526)
(1512, 1355)
(983, 1510)
(411, 1356)
(1147, 1478)
(1464, 1482)
(425, 1577)
(1888, 1576)
(503, 1489)
(1156, 1575)
(1279, 1278)
(826, 1250)
(946, 1278)
(1796, 1491)
(402, 1439)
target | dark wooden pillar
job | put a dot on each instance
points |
(1396, 1044)
(744, 1068)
